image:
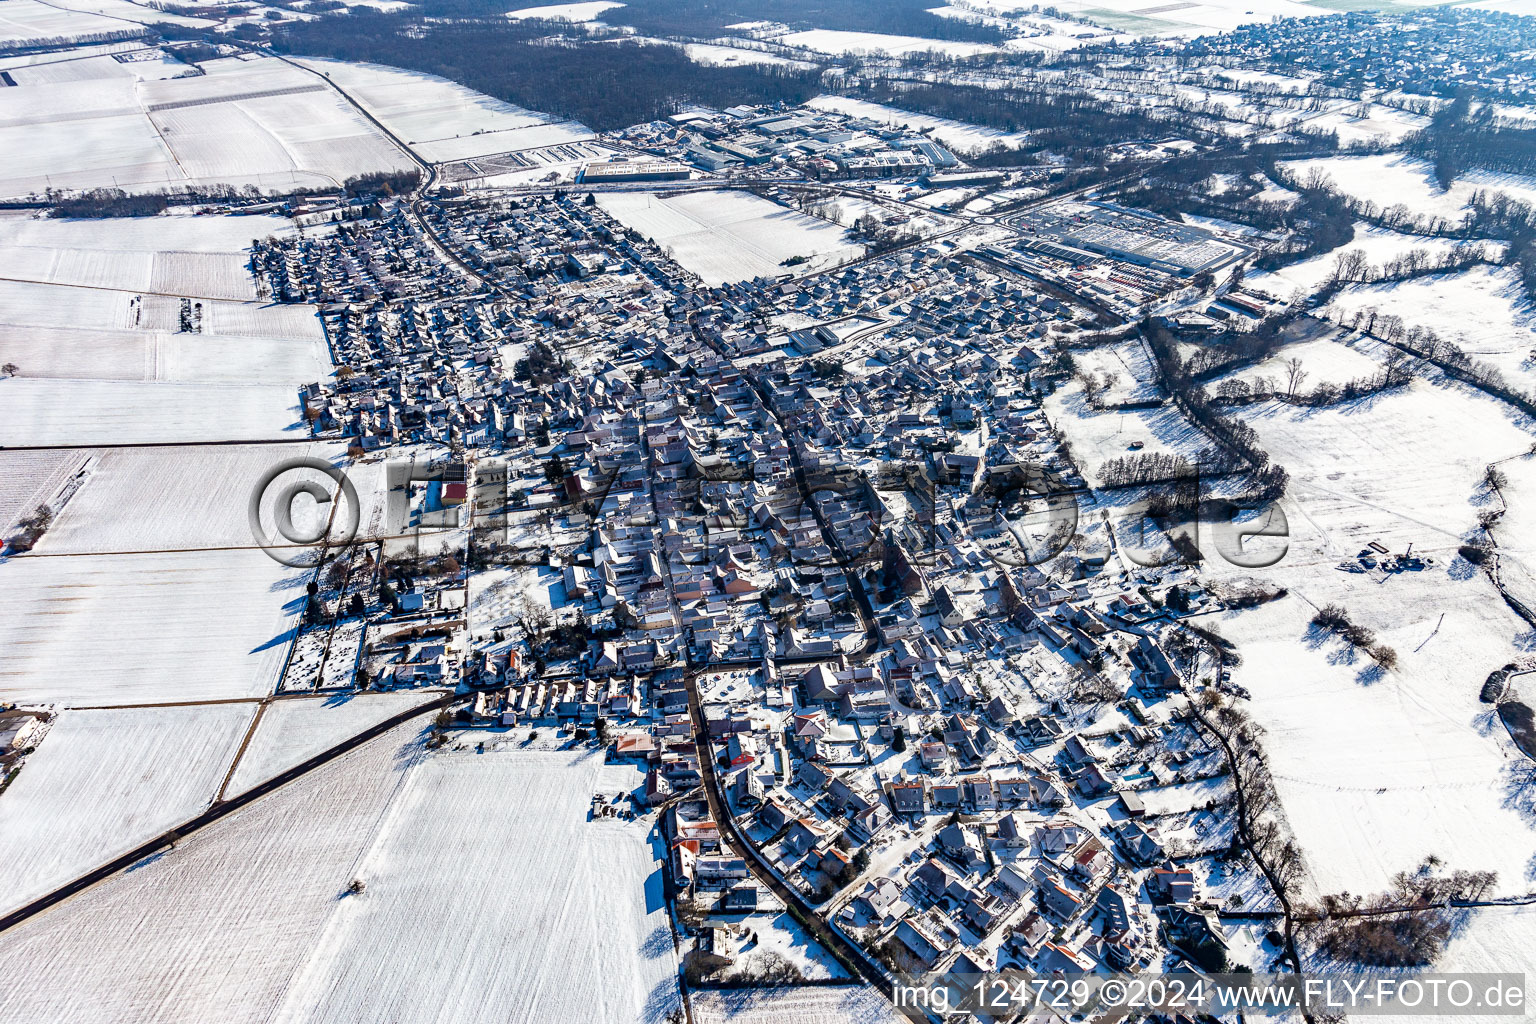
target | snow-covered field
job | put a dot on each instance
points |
(25, 22)
(216, 928)
(565, 12)
(962, 137)
(1392, 178)
(1484, 310)
(1378, 770)
(202, 257)
(838, 42)
(1398, 467)
(730, 236)
(70, 68)
(33, 478)
(293, 730)
(1325, 360)
(716, 55)
(1376, 774)
(177, 499)
(813, 1004)
(125, 629)
(1378, 244)
(251, 121)
(1191, 19)
(443, 120)
(102, 782)
(488, 889)
(54, 411)
(1098, 436)
(84, 333)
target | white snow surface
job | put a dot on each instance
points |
(101, 782)
(292, 730)
(488, 889)
(730, 236)
(136, 628)
(215, 929)
(443, 120)
(565, 12)
(958, 135)
(811, 1004)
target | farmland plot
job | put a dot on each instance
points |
(1378, 245)
(1332, 360)
(102, 782)
(216, 928)
(835, 41)
(1100, 435)
(729, 236)
(170, 499)
(71, 68)
(123, 629)
(248, 122)
(32, 478)
(165, 233)
(444, 120)
(293, 730)
(48, 412)
(1377, 770)
(515, 821)
(24, 22)
(1401, 467)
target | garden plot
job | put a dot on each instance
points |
(216, 928)
(51, 412)
(444, 120)
(1377, 771)
(810, 1004)
(1392, 178)
(419, 944)
(833, 41)
(293, 730)
(102, 782)
(964, 138)
(248, 122)
(137, 628)
(730, 236)
(1379, 245)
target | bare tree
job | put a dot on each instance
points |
(1294, 375)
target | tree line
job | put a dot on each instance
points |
(605, 85)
